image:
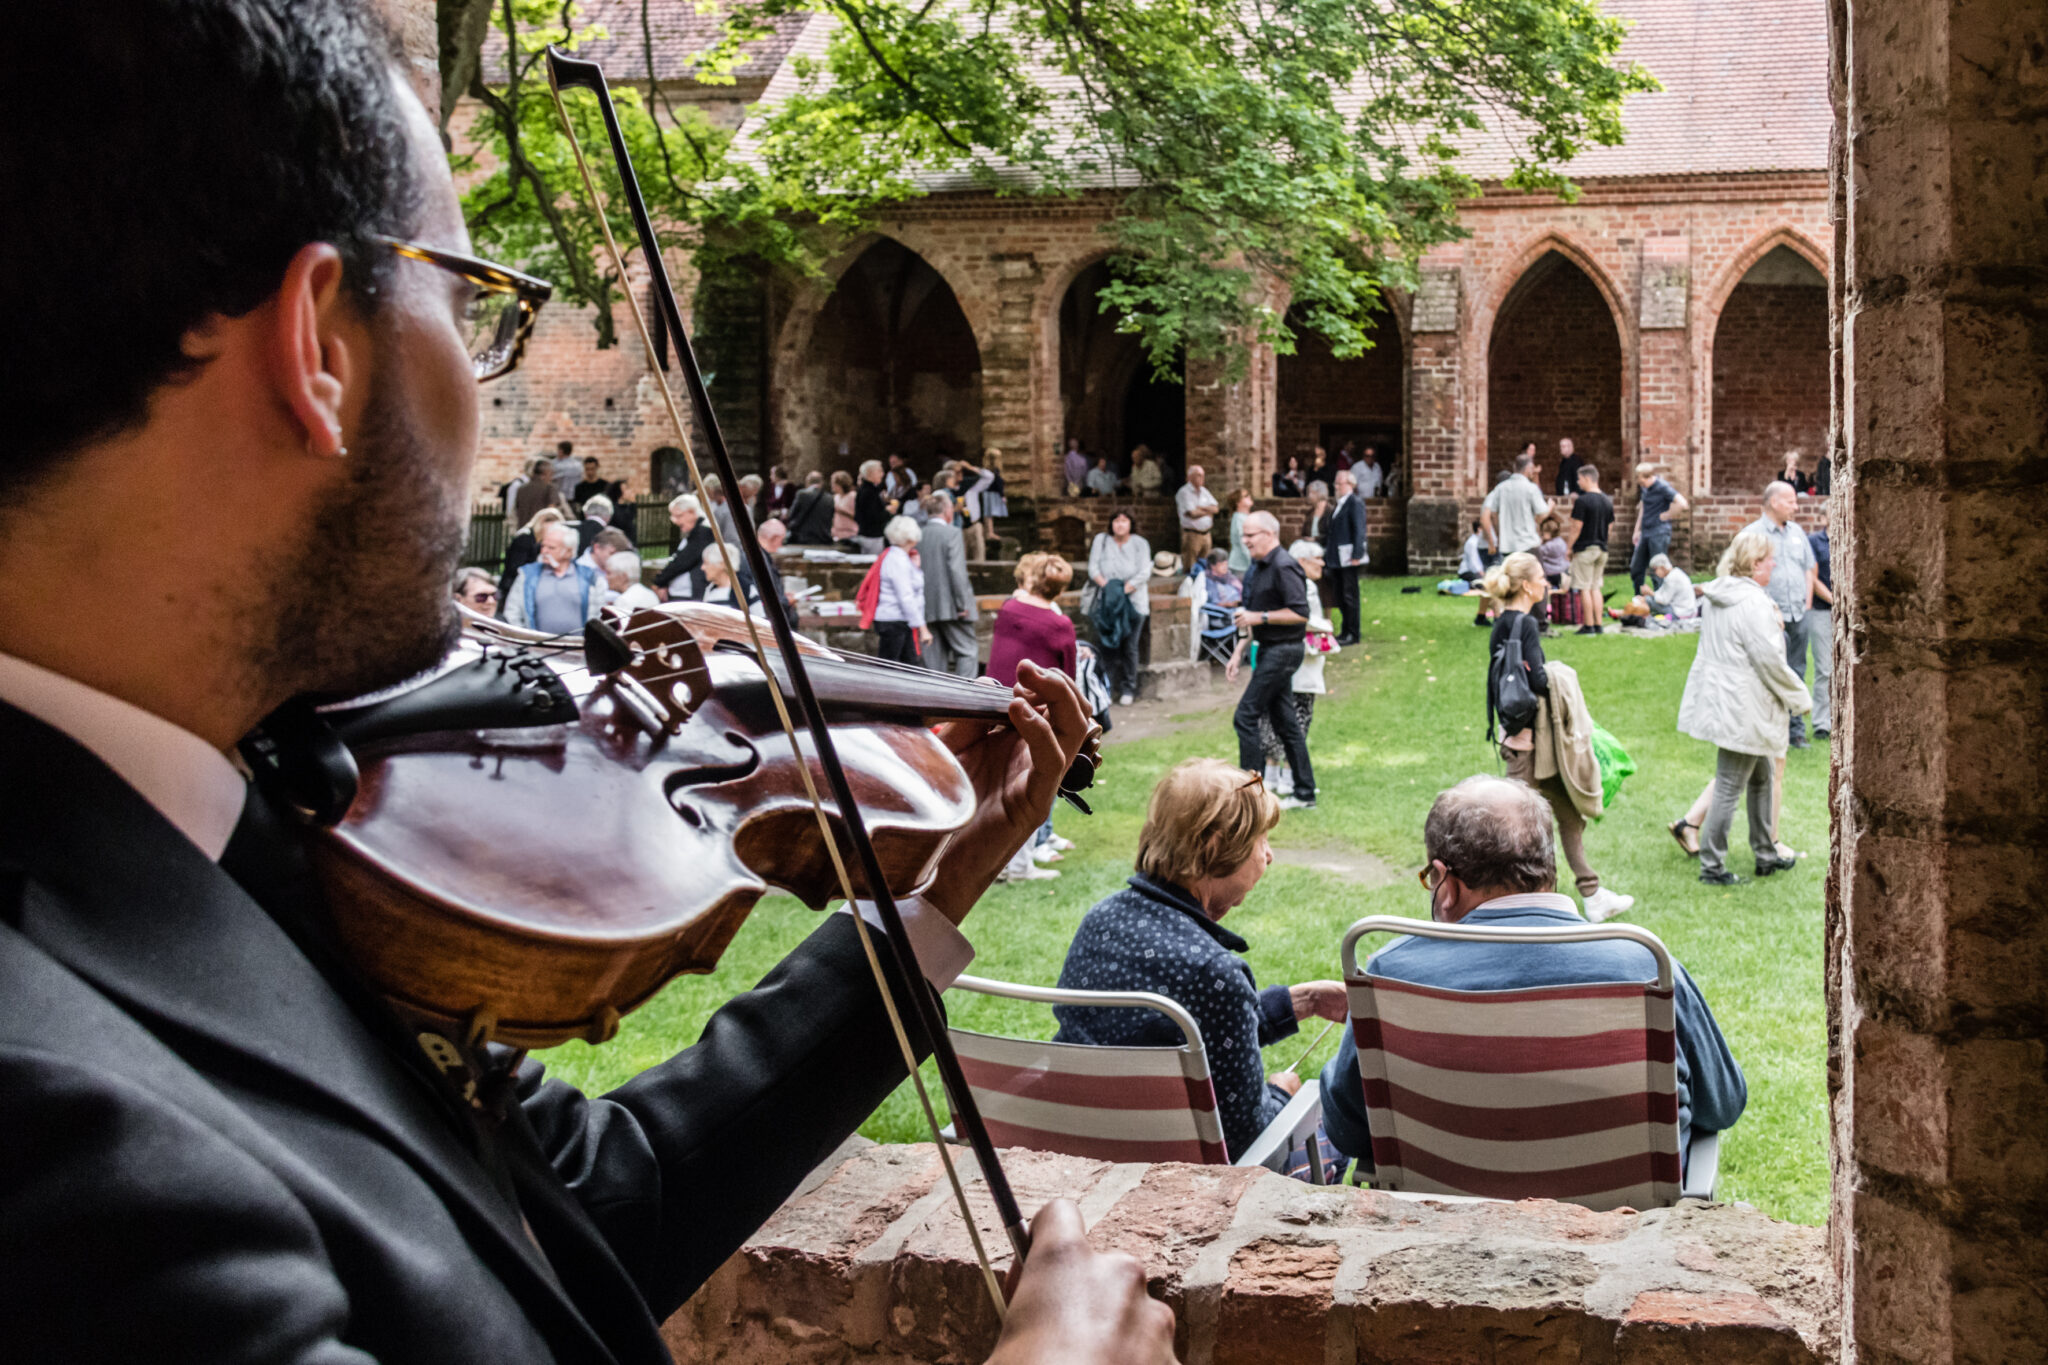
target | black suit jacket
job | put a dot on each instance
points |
(220, 1147)
(810, 518)
(1345, 526)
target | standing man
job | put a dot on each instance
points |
(1568, 466)
(1276, 612)
(1795, 582)
(1821, 631)
(555, 594)
(1511, 511)
(773, 535)
(1371, 474)
(810, 516)
(537, 492)
(1658, 504)
(592, 484)
(568, 469)
(1344, 554)
(1197, 508)
(948, 594)
(1593, 513)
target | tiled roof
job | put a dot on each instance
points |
(1745, 89)
(679, 33)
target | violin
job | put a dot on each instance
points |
(529, 844)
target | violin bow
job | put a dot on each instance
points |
(569, 72)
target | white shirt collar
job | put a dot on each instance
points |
(192, 784)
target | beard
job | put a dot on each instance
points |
(366, 604)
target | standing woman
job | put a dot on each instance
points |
(1312, 529)
(1031, 624)
(1740, 697)
(844, 527)
(870, 508)
(1518, 584)
(900, 630)
(694, 538)
(1240, 508)
(1120, 555)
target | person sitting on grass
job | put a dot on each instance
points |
(1488, 843)
(1201, 851)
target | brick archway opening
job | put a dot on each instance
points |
(891, 364)
(1771, 381)
(1109, 396)
(1327, 401)
(1554, 371)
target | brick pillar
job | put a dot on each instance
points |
(1231, 423)
(1663, 374)
(1435, 404)
(1938, 944)
(1006, 373)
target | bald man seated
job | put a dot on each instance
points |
(1491, 861)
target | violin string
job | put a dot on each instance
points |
(803, 768)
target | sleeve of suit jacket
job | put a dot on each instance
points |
(681, 1164)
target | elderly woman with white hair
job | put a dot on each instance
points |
(622, 574)
(687, 514)
(900, 629)
(1739, 697)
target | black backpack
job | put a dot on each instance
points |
(1510, 696)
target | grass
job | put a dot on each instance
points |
(1405, 717)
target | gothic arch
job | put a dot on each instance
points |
(1614, 424)
(924, 403)
(1709, 378)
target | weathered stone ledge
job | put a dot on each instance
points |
(871, 1265)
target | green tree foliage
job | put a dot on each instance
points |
(1316, 143)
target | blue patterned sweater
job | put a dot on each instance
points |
(1154, 936)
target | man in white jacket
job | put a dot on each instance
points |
(1739, 697)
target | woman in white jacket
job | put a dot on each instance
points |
(1740, 697)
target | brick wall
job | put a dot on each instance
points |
(1554, 371)
(568, 390)
(873, 1265)
(1316, 390)
(1770, 383)
(1535, 273)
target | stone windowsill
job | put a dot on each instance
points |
(871, 1264)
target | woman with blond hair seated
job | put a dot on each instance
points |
(1202, 850)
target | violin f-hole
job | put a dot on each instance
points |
(676, 785)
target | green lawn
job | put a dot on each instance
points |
(1406, 717)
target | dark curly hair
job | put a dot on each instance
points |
(164, 162)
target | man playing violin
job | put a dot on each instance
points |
(244, 333)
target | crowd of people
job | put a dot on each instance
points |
(1538, 551)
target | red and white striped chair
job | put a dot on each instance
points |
(1113, 1103)
(1554, 1092)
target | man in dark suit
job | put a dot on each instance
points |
(222, 1145)
(1344, 555)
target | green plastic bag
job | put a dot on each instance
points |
(1615, 765)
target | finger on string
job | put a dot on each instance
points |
(1049, 758)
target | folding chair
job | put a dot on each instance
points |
(1113, 1103)
(1552, 1092)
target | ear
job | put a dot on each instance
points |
(310, 352)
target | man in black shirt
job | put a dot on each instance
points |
(1276, 609)
(1593, 513)
(1568, 466)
